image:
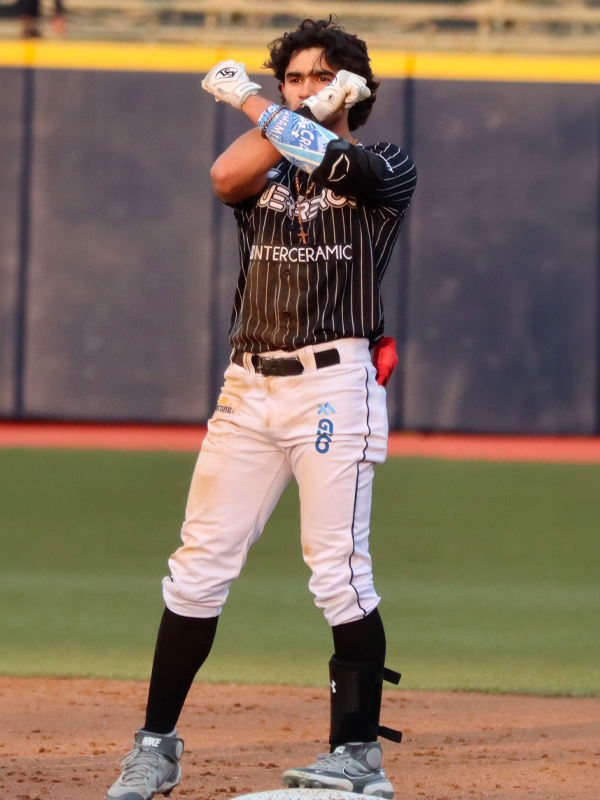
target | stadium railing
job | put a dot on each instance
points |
(484, 25)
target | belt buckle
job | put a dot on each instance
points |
(281, 367)
(270, 366)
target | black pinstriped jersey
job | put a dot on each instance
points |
(295, 291)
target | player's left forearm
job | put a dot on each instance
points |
(301, 141)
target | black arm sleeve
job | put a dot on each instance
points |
(368, 175)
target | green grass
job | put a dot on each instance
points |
(488, 574)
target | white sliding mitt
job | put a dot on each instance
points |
(342, 93)
(230, 84)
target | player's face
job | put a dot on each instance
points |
(307, 73)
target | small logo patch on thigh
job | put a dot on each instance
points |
(227, 404)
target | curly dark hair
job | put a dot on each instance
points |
(341, 50)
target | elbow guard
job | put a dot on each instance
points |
(349, 170)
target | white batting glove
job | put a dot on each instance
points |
(230, 84)
(342, 93)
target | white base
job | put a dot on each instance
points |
(305, 794)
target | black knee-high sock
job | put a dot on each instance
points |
(360, 642)
(182, 646)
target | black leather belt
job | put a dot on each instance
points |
(265, 365)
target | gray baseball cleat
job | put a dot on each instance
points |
(152, 767)
(353, 767)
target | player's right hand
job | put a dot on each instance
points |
(344, 91)
(230, 84)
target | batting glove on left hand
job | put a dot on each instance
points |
(230, 84)
(342, 93)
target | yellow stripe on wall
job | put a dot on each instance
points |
(496, 67)
(113, 56)
(388, 64)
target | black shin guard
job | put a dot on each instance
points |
(355, 693)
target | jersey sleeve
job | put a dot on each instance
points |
(379, 175)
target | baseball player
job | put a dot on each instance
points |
(318, 215)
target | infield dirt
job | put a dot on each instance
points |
(63, 739)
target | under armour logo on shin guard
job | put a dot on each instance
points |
(332, 686)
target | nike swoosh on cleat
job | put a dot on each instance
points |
(353, 775)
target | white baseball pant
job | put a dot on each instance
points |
(327, 428)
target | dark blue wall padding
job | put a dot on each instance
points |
(119, 303)
(11, 143)
(504, 258)
(129, 263)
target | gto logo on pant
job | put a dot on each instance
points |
(324, 435)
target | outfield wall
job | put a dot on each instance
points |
(118, 266)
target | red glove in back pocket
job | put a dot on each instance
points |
(385, 359)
